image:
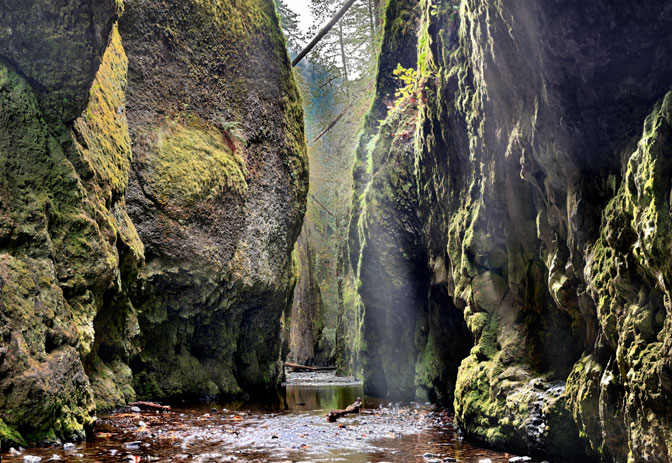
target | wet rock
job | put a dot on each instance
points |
(563, 284)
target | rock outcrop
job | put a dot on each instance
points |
(217, 192)
(61, 213)
(541, 161)
(307, 315)
(186, 117)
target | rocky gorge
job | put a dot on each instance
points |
(506, 254)
(510, 223)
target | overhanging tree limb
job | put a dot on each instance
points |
(322, 206)
(323, 32)
(331, 124)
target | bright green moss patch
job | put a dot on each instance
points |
(195, 163)
(10, 436)
(103, 129)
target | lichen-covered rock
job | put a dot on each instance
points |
(61, 203)
(541, 225)
(217, 192)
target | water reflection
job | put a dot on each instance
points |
(321, 397)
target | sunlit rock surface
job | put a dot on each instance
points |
(541, 161)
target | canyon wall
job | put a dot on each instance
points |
(307, 315)
(529, 193)
(152, 184)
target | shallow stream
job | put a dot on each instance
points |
(290, 428)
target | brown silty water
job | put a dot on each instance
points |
(289, 428)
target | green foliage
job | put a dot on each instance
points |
(406, 78)
(289, 22)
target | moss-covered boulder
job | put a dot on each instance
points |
(61, 203)
(217, 192)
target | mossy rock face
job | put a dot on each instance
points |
(57, 46)
(62, 222)
(217, 192)
(544, 217)
(217, 189)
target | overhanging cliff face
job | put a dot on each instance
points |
(189, 114)
(544, 216)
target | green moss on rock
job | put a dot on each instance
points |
(193, 163)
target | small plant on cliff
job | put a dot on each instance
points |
(406, 78)
(233, 131)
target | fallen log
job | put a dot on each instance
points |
(297, 367)
(149, 406)
(352, 408)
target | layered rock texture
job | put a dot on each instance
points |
(529, 193)
(152, 184)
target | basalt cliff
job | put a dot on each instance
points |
(510, 226)
(153, 179)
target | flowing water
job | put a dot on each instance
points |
(289, 428)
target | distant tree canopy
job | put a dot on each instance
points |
(289, 21)
(336, 81)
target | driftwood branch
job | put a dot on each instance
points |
(297, 367)
(149, 405)
(352, 408)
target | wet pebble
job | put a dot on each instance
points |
(31, 459)
(132, 445)
(54, 457)
(68, 446)
(135, 409)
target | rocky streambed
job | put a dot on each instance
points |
(289, 427)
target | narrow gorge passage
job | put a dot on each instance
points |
(456, 210)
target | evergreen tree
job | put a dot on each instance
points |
(289, 21)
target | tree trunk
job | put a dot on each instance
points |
(372, 26)
(343, 58)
